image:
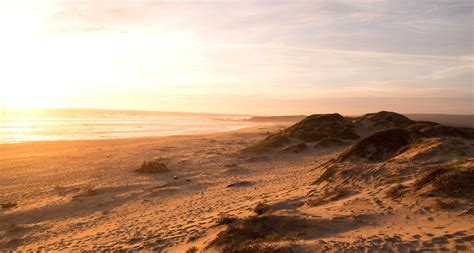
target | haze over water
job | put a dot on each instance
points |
(108, 124)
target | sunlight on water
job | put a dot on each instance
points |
(84, 125)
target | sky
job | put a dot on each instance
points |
(253, 57)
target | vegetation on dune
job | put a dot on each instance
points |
(240, 184)
(276, 237)
(297, 148)
(225, 219)
(380, 146)
(329, 142)
(420, 125)
(311, 129)
(455, 183)
(255, 234)
(331, 195)
(445, 203)
(8, 205)
(431, 129)
(328, 173)
(258, 246)
(193, 249)
(452, 182)
(335, 130)
(395, 191)
(448, 131)
(319, 126)
(415, 140)
(261, 208)
(384, 118)
(428, 177)
(269, 143)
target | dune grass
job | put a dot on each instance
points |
(331, 195)
(395, 191)
(193, 249)
(269, 143)
(445, 203)
(328, 173)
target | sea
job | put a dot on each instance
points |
(21, 125)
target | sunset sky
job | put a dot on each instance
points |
(259, 57)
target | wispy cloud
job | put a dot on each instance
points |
(298, 48)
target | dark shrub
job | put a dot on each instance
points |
(261, 208)
(152, 167)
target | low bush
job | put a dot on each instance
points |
(152, 167)
(261, 208)
(193, 249)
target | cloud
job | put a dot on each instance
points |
(300, 49)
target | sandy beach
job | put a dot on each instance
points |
(128, 210)
(85, 195)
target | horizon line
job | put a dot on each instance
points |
(3, 108)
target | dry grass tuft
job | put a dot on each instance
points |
(193, 249)
(87, 193)
(395, 191)
(261, 208)
(455, 183)
(445, 203)
(276, 237)
(225, 219)
(428, 177)
(152, 167)
(240, 184)
(297, 148)
(330, 142)
(8, 205)
(331, 195)
(328, 173)
(260, 234)
(271, 142)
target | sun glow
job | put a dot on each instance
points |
(45, 66)
(31, 78)
(22, 62)
(166, 55)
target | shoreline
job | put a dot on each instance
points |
(127, 139)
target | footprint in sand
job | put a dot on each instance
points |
(464, 239)
(460, 233)
(378, 202)
(461, 248)
(440, 240)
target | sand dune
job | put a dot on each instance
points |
(463, 120)
(379, 181)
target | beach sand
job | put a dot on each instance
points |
(85, 195)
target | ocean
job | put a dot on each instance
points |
(18, 126)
